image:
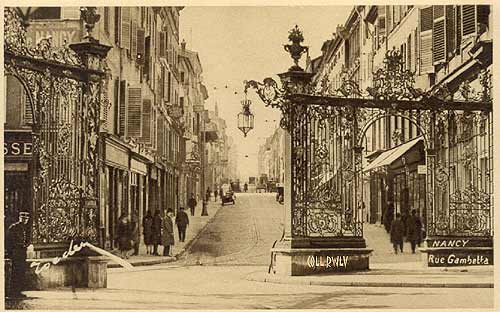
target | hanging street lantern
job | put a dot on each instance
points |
(245, 118)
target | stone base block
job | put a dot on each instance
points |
(85, 272)
(458, 251)
(311, 261)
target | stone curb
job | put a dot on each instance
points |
(371, 284)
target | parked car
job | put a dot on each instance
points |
(227, 195)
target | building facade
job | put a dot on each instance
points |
(150, 116)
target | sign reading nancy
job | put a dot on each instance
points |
(459, 243)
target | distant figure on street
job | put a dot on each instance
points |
(215, 194)
(208, 194)
(147, 227)
(404, 220)
(245, 187)
(192, 204)
(414, 230)
(168, 233)
(389, 216)
(124, 233)
(397, 233)
(156, 232)
(16, 244)
(134, 224)
(182, 222)
(221, 193)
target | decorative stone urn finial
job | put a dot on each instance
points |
(90, 16)
(295, 49)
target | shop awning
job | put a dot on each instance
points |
(390, 156)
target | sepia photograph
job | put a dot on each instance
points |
(250, 156)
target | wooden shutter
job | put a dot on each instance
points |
(163, 48)
(459, 26)
(27, 112)
(409, 54)
(117, 25)
(397, 14)
(134, 112)
(70, 13)
(141, 45)
(125, 28)
(381, 25)
(123, 105)
(388, 19)
(451, 29)
(469, 25)
(438, 35)
(133, 40)
(146, 121)
(426, 24)
(160, 136)
(106, 19)
(169, 87)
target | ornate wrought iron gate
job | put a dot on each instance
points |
(64, 87)
(327, 128)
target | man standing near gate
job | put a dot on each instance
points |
(17, 241)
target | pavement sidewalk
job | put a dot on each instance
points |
(408, 274)
(196, 225)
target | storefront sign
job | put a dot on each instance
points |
(422, 169)
(198, 108)
(17, 144)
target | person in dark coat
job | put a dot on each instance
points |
(397, 233)
(168, 233)
(147, 227)
(389, 216)
(414, 230)
(147, 230)
(245, 187)
(192, 204)
(182, 222)
(156, 232)
(207, 197)
(124, 233)
(215, 194)
(16, 244)
(134, 225)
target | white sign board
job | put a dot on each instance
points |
(422, 169)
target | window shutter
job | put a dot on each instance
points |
(159, 138)
(451, 43)
(151, 68)
(381, 25)
(459, 26)
(123, 105)
(388, 19)
(169, 85)
(426, 23)
(27, 112)
(409, 54)
(106, 19)
(469, 20)
(146, 121)
(125, 28)
(117, 25)
(162, 44)
(134, 112)
(141, 45)
(163, 83)
(133, 40)
(397, 14)
(70, 13)
(438, 35)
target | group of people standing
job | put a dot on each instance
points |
(403, 226)
(157, 230)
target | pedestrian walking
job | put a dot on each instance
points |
(182, 222)
(192, 204)
(215, 195)
(414, 230)
(397, 233)
(404, 220)
(134, 224)
(245, 187)
(207, 197)
(389, 216)
(147, 230)
(156, 232)
(124, 233)
(221, 193)
(168, 233)
(17, 241)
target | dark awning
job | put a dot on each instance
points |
(390, 156)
